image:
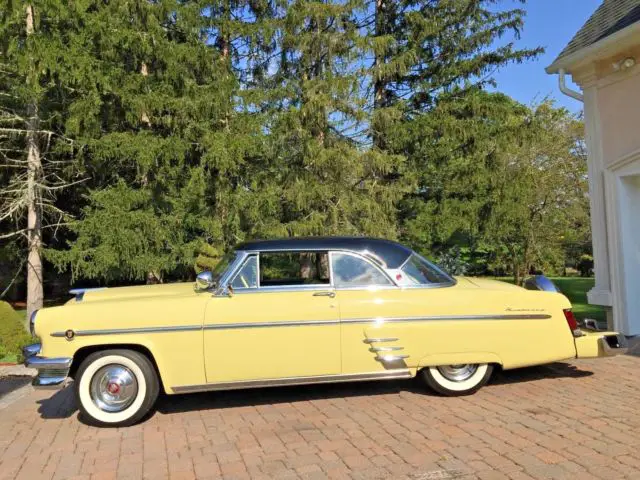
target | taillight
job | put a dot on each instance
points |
(572, 322)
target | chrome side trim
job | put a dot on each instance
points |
(385, 349)
(308, 323)
(233, 326)
(320, 287)
(281, 382)
(391, 358)
(376, 340)
(123, 331)
(448, 317)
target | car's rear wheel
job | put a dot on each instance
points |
(116, 387)
(453, 380)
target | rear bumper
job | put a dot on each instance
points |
(52, 372)
(600, 344)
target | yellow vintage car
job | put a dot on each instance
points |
(300, 311)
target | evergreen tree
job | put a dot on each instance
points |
(331, 182)
(432, 62)
(153, 119)
(39, 64)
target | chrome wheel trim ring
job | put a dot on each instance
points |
(113, 388)
(458, 373)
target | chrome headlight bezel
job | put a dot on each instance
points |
(32, 322)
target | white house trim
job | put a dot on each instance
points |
(622, 237)
(600, 294)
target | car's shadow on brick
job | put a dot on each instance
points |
(541, 372)
(169, 404)
(62, 404)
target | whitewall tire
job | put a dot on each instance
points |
(116, 387)
(453, 380)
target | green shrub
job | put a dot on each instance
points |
(13, 335)
(585, 265)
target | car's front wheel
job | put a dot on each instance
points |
(453, 380)
(116, 387)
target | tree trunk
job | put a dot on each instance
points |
(144, 118)
(35, 291)
(379, 85)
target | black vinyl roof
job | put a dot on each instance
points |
(391, 254)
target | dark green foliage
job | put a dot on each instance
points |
(585, 265)
(194, 125)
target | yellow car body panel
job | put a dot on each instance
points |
(177, 353)
(511, 342)
(278, 345)
(200, 339)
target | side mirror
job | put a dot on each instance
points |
(204, 281)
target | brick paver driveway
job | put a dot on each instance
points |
(568, 420)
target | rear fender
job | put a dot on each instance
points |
(459, 358)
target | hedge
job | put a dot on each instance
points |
(13, 335)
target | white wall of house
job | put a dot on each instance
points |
(612, 121)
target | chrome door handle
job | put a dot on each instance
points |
(325, 294)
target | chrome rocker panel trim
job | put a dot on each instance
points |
(52, 372)
(283, 382)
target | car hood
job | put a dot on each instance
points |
(140, 291)
(485, 283)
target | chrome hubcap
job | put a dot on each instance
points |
(113, 388)
(458, 373)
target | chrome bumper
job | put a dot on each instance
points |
(52, 372)
(613, 344)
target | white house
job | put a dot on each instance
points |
(602, 58)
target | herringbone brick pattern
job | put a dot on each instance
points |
(577, 420)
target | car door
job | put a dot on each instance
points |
(366, 296)
(281, 321)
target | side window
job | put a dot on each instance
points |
(247, 276)
(294, 268)
(352, 271)
(418, 271)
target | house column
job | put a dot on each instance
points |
(600, 294)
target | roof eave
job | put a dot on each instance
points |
(602, 48)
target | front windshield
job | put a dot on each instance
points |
(420, 271)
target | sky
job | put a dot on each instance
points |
(550, 24)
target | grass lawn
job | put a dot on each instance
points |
(9, 359)
(576, 288)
